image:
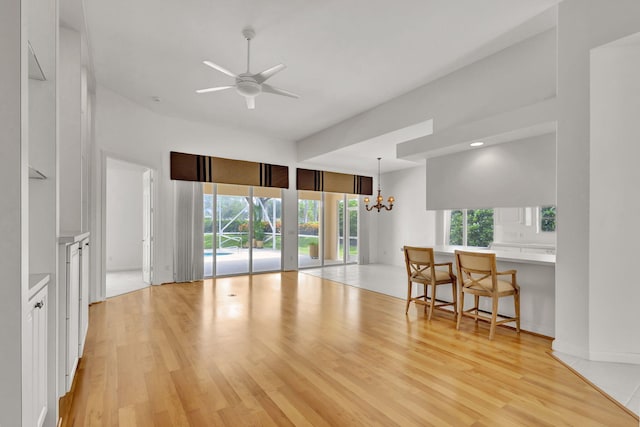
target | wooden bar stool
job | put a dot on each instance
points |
(478, 276)
(421, 269)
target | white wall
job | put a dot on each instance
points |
(124, 216)
(130, 132)
(70, 131)
(409, 223)
(14, 254)
(613, 201)
(582, 25)
(518, 173)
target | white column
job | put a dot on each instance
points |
(582, 25)
(14, 194)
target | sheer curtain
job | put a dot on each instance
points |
(188, 247)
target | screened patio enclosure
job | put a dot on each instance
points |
(242, 229)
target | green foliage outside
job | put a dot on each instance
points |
(479, 227)
(353, 217)
(308, 211)
(308, 228)
(548, 218)
(455, 230)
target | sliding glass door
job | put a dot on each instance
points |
(242, 229)
(351, 228)
(327, 229)
(309, 227)
(232, 229)
(267, 225)
(333, 229)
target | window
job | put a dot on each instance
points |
(548, 218)
(471, 227)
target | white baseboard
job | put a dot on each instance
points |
(570, 349)
(606, 356)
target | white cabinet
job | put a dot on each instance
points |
(84, 295)
(72, 311)
(35, 359)
(73, 301)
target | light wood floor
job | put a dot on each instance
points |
(292, 349)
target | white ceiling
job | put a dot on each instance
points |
(343, 56)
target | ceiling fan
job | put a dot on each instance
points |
(247, 84)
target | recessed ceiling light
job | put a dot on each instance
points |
(476, 144)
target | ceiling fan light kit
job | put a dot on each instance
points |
(247, 84)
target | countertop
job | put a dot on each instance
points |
(66, 237)
(519, 257)
(37, 282)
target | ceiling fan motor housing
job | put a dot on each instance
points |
(247, 86)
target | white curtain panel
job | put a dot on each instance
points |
(188, 247)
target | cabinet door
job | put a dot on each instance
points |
(84, 295)
(40, 366)
(73, 311)
(35, 404)
(29, 356)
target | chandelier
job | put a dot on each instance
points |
(379, 205)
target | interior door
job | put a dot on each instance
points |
(147, 225)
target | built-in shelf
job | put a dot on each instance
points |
(36, 174)
(35, 70)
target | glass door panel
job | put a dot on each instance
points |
(341, 239)
(208, 216)
(267, 238)
(309, 228)
(333, 229)
(232, 230)
(352, 228)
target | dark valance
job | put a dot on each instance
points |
(333, 182)
(193, 167)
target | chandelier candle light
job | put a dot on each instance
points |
(379, 205)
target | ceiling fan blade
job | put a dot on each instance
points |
(276, 91)
(219, 68)
(214, 89)
(261, 77)
(251, 102)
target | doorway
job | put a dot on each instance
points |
(128, 226)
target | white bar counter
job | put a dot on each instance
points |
(536, 277)
(507, 256)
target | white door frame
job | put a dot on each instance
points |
(147, 226)
(102, 261)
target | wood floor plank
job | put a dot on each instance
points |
(291, 349)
